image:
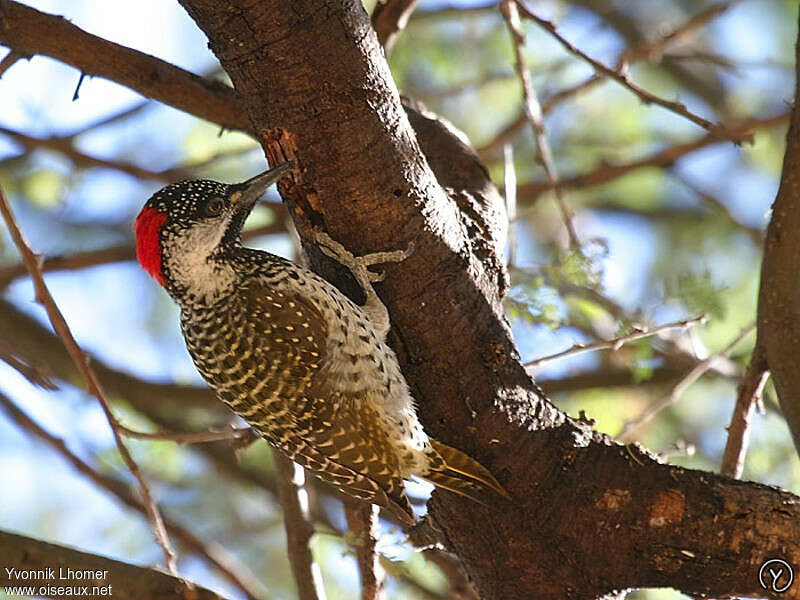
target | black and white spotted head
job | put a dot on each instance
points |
(185, 229)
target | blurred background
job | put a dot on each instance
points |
(670, 223)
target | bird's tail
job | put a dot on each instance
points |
(460, 474)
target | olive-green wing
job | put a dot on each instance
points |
(300, 408)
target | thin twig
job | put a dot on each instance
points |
(622, 77)
(44, 297)
(755, 235)
(112, 254)
(290, 479)
(533, 111)
(362, 519)
(226, 563)
(645, 51)
(631, 428)
(510, 185)
(64, 145)
(31, 372)
(200, 437)
(662, 158)
(653, 51)
(618, 342)
(672, 351)
(747, 398)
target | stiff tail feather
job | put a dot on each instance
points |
(463, 475)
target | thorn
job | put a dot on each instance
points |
(78, 87)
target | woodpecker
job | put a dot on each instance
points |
(305, 366)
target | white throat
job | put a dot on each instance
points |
(190, 266)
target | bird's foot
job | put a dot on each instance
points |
(357, 265)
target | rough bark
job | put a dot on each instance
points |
(126, 581)
(779, 296)
(589, 516)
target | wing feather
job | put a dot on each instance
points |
(302, 409)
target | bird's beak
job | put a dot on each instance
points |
(246, 194)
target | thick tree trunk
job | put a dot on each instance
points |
(779, 297)
(589, 516)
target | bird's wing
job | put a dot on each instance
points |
(322, 425)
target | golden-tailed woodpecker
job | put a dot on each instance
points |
(306, 367)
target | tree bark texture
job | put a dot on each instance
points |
(589, 516)
(779, 296)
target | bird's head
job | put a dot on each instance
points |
(185, 227)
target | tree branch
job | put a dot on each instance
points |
(227, 564)
(618, 342)
(533, 111)
(294, 501)
(122, 252)
(747, 398)
(389, 18)
(623, 78)
(644, 50)
(122, 580)
(29, 32)
(59, 324)
(779, 296)
(661, 158)
(361, 176)
(362, 520)
(632, 427)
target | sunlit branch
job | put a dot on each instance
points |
(631, 428)
(362, 520)
(85, 161)
(510, 185)
(202, 437)
(533, 112)
(747, 398)
(60, 326)
(622, 77)
(618, 342)
(290, 480)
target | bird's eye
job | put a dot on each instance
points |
(214, 207)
